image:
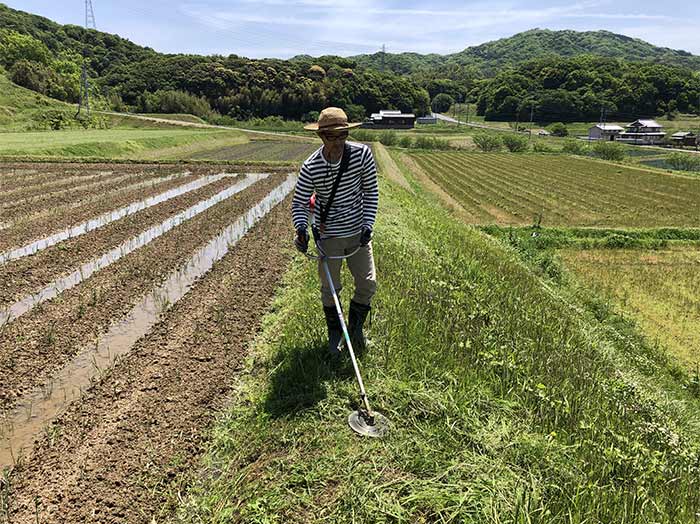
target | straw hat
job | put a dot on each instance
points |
(331, 119)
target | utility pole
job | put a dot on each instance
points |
(532, 115)
(467, 119)
(84, 100)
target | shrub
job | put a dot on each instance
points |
(362, 135)
(608, 151)
(558, 129)
(406, 141)
(515, 143)
(429, 142)
(388, 137)
(684, 161)
(173, 101)
(574, 147)
(541, 147)
(487, 142)
(442, 102)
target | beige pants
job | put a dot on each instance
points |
(361, 265)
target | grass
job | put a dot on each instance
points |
(22, 109)
(508, 404)
(107, 143)
(504, 188)
(658, 288)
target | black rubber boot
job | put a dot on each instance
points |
(335, 332)
(356, 320)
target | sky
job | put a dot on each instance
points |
(284, 28)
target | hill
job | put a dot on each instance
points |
(519, 48)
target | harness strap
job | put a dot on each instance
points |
(344, 162)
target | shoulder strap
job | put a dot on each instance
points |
(344, 162)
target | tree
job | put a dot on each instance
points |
(487, 142)
(558, 129)
(442, 103)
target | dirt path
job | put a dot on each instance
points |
(29, 274)
(388, 167)
(113, 457)
(35, 345)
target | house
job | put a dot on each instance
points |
(645, 132)
(428, 119)
(390, 119)
(684, 138)
(608, 132)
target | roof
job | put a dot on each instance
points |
(391, 114)
(645, 123)
(608, 127)
(682, 134)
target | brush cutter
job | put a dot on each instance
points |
(364, 421)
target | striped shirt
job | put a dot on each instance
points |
(355, 202)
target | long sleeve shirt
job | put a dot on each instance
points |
(355, 202)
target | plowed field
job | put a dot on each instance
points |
(118, 339)
(504, 188)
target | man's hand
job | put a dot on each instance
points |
(365, 236)
(301, 241)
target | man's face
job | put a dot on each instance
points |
(334, 139)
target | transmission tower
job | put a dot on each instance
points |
(383, 56)
(84, 100)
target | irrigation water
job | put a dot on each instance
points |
(106, 218)
(89, 268)
(34, 411)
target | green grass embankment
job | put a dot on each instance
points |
(114, 143)
(508, 404)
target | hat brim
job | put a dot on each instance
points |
(335, 127)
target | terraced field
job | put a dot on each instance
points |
(129, 292)
(262, 150)
(503, 188)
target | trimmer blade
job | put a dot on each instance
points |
(360, 423)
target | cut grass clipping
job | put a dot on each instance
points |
(506, 404)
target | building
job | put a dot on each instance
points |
(428, 119)
(644, 132)
(390, 119)
(608, 132)
(684, 138)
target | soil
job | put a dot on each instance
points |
(28, 275)
(60, 215)
(115, 456)
(43, 340)
(26, 201)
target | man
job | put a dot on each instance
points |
(349, 218)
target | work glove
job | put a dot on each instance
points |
(365, 236)
(301, 241)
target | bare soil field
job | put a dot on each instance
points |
(116, 455)
(35, 345)
(177, 290)
(29, 274)
(264, 150)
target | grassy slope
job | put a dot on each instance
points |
(657, 287)
(20, 108)
(109, 143)
(508, 405)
